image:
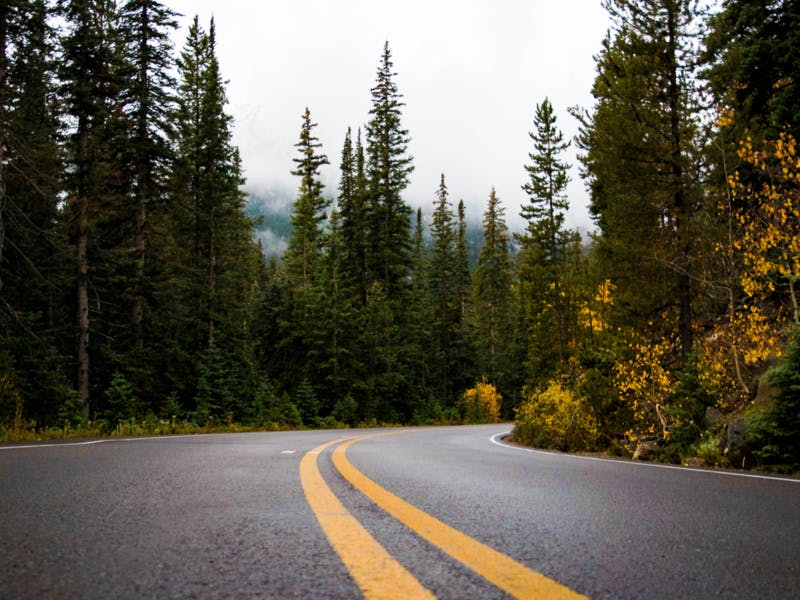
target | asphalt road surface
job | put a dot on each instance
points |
(431, 512)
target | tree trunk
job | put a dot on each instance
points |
(685, 316)
(82, 244)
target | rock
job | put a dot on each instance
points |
(714, 416)
(645, 450)
(734, 443)
(695, 461)
(765, 393)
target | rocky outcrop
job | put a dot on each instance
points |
(734, 444)
(645, 450)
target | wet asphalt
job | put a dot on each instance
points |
(224, 516)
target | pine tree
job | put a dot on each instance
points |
(305, 329)
(641, 145)
(463, 276)
(354, 223)
(91, 74)
(641, 156)
(309, 208)
(388, 251)
(336, 319)
(419, 339)
(464, 374)
(215, 263)
(751, 54)
(442, 284)
(34, 261)
(388, 168)
(492, 294)
(145, 27)
(543, 247)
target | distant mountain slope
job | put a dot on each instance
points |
(273, 210)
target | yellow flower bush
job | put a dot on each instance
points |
(555, 418)
(481, 404)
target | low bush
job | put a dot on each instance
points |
(555, 418)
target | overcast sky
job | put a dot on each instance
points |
(471, 73)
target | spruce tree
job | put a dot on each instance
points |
(388, 251)
(305, 331)
(305, 243)
(492, 293)
(352, 208)
(443, 288)
(90, 71)
(34, 259)
(336, 319)
(419, 343)
(145, 27)
(751, 54)
(543, 247)
(215, 262)
(641, 151)
(387, 171)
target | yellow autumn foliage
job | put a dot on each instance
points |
(763, 256)
(555, 418)
(769, 219)
(592, 315)
(481, 404)
(644, 383)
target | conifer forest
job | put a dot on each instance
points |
(134, 297)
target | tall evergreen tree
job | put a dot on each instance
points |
(442, 283)
(216, 264)
(751, 52)
(419, 337)
(335, 320)
(91, 74)
(305, 243)
(306, 333)
(641, 146)
(492, 294)
(34, 262)
(207, 177)
(354, 223)
(145, 28)
(388, 252)
(543, 247)
(387, 171)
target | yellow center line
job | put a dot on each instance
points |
(376, 573)
(502, 571)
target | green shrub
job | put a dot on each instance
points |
(707, 448)
(775, 432)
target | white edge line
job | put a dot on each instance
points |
(495, 439)
(105, 441)
(113, 440)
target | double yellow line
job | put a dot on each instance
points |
(374, 570)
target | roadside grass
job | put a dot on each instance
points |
(30, 432)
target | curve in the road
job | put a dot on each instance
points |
(502, 571)
(375, 571)
(498, 438)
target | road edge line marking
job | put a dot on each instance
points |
(499, 569)
(495, 440)
(377, 574)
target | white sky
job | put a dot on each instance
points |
(471, 73)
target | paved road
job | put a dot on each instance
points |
(237, 516)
